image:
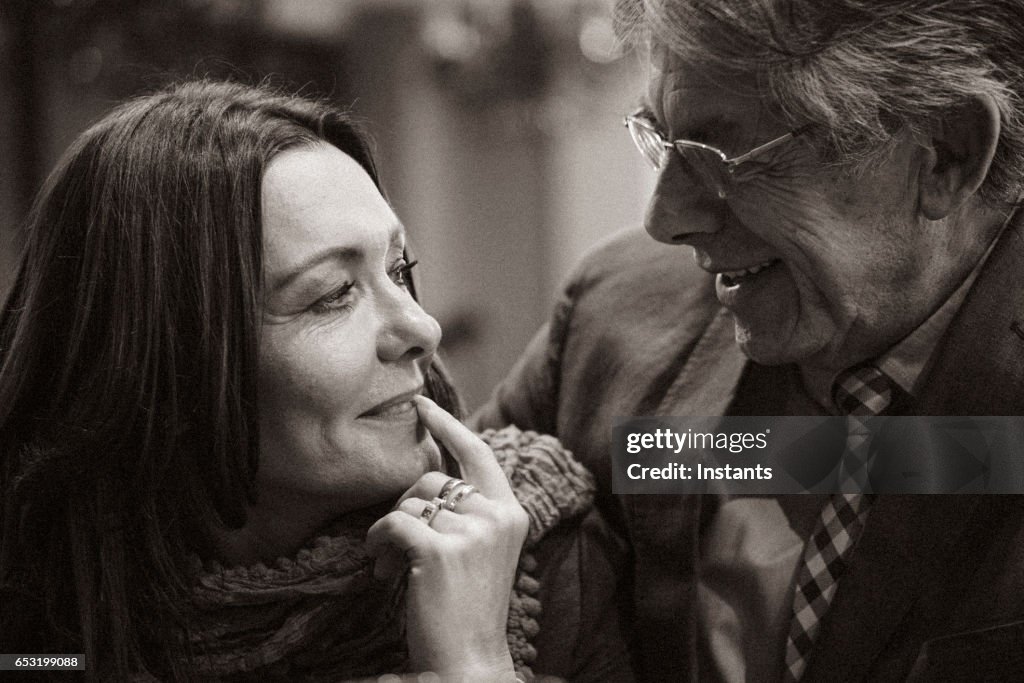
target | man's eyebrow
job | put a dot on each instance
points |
(342, 254)
(643, 110)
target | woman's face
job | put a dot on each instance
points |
(344, 345)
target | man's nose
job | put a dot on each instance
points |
(682, 205)
(409, 332)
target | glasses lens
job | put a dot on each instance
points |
(707, 165)
(647, 141)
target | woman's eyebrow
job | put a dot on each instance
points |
(342, 254)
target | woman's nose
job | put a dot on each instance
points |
(681, 205)
(409, 332)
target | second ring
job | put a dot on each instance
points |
(457, 495)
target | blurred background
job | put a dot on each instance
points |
(498, 126)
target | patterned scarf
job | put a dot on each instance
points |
(322, 616)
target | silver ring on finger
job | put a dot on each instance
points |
(430, 510)
(448, 486)
(457, 496)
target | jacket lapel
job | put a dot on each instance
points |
(905, 544)
(664, 528)
(705, 386)
(707, 383)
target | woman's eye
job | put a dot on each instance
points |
(400, 273)
(336, 300)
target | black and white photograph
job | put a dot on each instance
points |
(512, 341)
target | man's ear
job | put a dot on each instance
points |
(957, 156)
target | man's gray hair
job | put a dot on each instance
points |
(861, 68)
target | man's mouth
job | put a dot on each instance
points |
(731, 278)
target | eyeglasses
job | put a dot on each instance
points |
(712, 165)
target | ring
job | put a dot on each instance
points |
(430, 511)
(456, 496)
(448, 486)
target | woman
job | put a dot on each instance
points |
(213, 389)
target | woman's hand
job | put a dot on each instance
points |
(462, 563)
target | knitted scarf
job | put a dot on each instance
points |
(322, 616)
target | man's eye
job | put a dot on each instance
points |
(336, 300)
(400, 273)
(654, 125)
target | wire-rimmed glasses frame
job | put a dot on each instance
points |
(712, 165)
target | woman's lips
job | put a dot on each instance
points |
(393, 411)
(399, 407)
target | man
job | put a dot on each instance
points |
(870, 229)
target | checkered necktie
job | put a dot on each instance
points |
(860, 393)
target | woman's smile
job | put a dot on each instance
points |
(399, 408)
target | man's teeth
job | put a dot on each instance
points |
(746, 272)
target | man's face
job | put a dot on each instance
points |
(819, 266)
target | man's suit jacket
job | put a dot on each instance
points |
(936, 586)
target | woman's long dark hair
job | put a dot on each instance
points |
(128, 351)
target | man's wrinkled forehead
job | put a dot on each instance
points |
(664, 65)
(686, 97)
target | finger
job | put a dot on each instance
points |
(446, 522)
(466, 498)
(440, 519)
(426, 487)
(389, 563)
(390, 560)
(400, 530)
(385, 542)
(479, 467)
(423, 510)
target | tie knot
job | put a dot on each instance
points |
(863, 390)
